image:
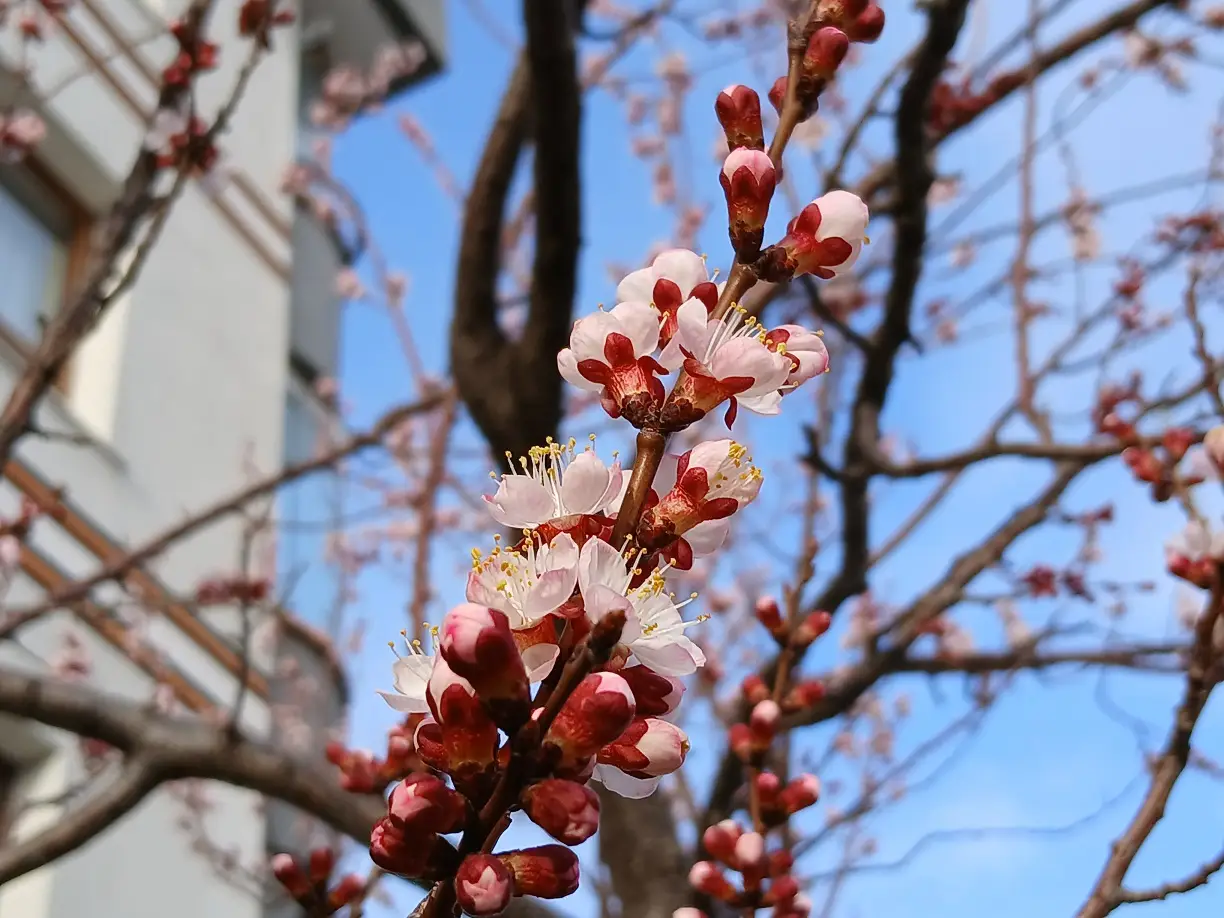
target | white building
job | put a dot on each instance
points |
(197, 380)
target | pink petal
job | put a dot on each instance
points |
(567, 366)
(640, 324)
(521, 502)
(538, 660)
(584, 483)
(707, 537)
(684, 268)
(625, 785)
(637, 286)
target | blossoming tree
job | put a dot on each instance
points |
(555, 691)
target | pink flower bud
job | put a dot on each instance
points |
(739, 112)
(754, 688)
(780, 862)
(600, 709)
(422, 804)
(322, 862)
(705, 877)
(468, 734)
(290, 875)
(549, 871)
(410, 856)
(478, 645)
(655, 694)
(800, 793)
(750, 852)
(811, 628)
(748, 178)
(567, 811)
(650, 748)
(483, 885)
(825, 239)
(783, 890)
(804, 695)
(764, 720)
(1213, 445)
(719, 840)
(1176, 442)
(688, 913)
(768, 613)
(350, 888)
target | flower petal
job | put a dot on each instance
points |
(768, 404)
(404, 704)
(567, 366)
(637, 286)
(673, 655)
(538, 660)
(684, 268)
(693, 327)
(843, 215)
(625, 785)
(521, 502)
(640, 324)
(706, 537)
(584, 483)
(599, 564)
(550, 592)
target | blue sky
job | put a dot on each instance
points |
(1046, 756)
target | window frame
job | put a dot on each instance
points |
(77, 241)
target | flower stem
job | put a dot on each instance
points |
(650, 446)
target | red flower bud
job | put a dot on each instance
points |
(599, 710)
(655, 694)
(549, 871)
(1176, 442)
(783, 889)
(800, 793)
(825, 51)
(290, 876)
(322, 862)
(811, 628)
(740, 739)
(763, 722)
(747, 178)
(719, 840)
(468, 733)
(1143, 464)
(768, 614)
(805, 694)
(479, 646)
(780, 862)
(350, 888)
(423, 804)
(649, 748)
(777, 94)
(484, 885)
(705, 877)
(739, 112)
(754, 688)
(411, 856)
(566, 810)
(750, 853)
(867, 26)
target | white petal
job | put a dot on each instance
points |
(599, 600)
(665, 478)
(674, 656)
(584, 483)
(618, 481)
(599, 564)
(684, 268)
(637, 286)
(480, 590)
(768, 404)
(560, 553)
(567, 366)
(641, 325)
(694, 327)
(707, 537)
(842, 214)
(550, 592)
(625, 785)
(749, 357)
(521, 502)
(589, 335)
(538, 660)
(404, 704)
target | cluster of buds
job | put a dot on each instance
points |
(311, 884)
(183, 142)
(1196, 555)
(239, 588)
(953, 106)
(196, 54)
(257, 19)
(765, 878)
(364, 773)
(1158, 467)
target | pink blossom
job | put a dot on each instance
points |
(556, 482)
(825, 239)
(611, 353)
(634, 763)
(674, 277)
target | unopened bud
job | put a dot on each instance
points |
(600, 709)
(741, 741)
(322, 862)
(350, 888)
(763, 721)
(800, 793)
(739, 112)
(484, 885)
(825, 52)
(825, 240)
(654, 694)
(478, 645)
(804, 695)
(1176, 442)
(750, 851)
(688, 913)
(777, 94)
(748, 178)
(549, 871)
(754, 688)
(566, 810)
(719, 840)
(811, 628)
(290, 875)
(768, 614)
(411, 856)
(706, 877)
(783, 889)
(649, 748)
(423, 804)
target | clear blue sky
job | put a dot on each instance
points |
(1047, 756)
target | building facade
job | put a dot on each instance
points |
(198, 380)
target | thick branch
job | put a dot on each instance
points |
(1142, 656)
